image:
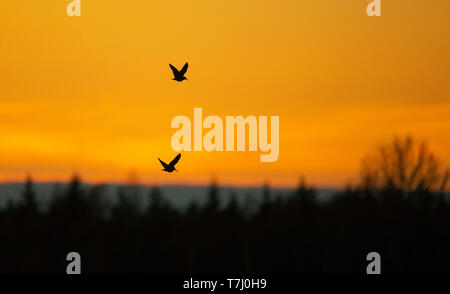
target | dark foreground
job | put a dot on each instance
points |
(411, 232)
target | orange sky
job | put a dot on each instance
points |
(94, 95)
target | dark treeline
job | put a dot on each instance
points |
(293, 235)
(408, 226)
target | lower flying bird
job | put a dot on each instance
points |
(179, 75)
(171, 166)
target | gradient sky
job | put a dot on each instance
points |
(94, 95)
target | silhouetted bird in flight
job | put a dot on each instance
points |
(171, 166)
(179, 75)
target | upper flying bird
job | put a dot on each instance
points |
(179, 75)
(171, 166)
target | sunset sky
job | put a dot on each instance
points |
(93, 94)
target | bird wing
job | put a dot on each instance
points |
(163, 163)
(174, 70)
(184, 69)
(175, 160)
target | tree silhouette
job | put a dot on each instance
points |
(404, 165)
(30, 205)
